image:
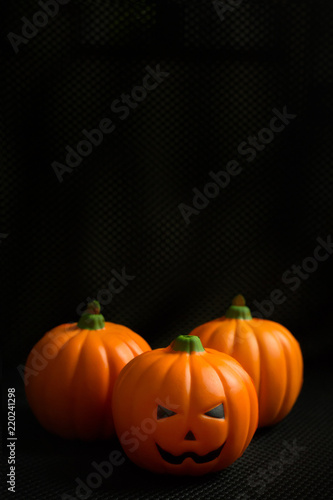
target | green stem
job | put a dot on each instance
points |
(91, 319)
(187, 343)
(238, 309)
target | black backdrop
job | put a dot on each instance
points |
(227, 71)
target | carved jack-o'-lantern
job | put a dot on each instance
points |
(184, 409)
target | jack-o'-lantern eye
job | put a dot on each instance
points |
(217, 412)
(164, 412)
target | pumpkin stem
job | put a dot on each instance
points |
(91, 319)
(238, 309)
(238, 300)
(187, 343)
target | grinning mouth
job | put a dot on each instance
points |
(198, 459)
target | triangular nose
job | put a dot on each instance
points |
(190, 436)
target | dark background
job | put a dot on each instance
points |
(119, 207)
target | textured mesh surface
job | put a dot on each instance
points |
(49, 467)
(119, 207)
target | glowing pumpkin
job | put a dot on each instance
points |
(184, 409)
(267, 351)
(71, 371)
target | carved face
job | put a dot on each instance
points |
(217, 412)
(184, 412)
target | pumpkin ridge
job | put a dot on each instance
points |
(47, 414)
(191, 367)
(260, 398)
(226, 389)
(253, 328)
(245, 379)
(207, 360)
(138, 339)
(122, 341)
(108, 397)
(99, 343)
(144, 372)
(112, 375)
(71, 391)
(284, 333)
(249, 371)
(50, 336)
(216, 334)
(70, 334)
(130, 366)
(260, 374)
(124, 332)
(177, 355)
(186, 361)
(237, 336)
(123, 338)
(169, 369)
(251, 393)
(246, 435)
(300, 363)
(277, 337)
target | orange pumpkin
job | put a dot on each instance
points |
(184, 409)
(71, 371)
(268, 352)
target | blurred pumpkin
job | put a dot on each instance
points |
(71, 371)
(267, 351)
(184, 409)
